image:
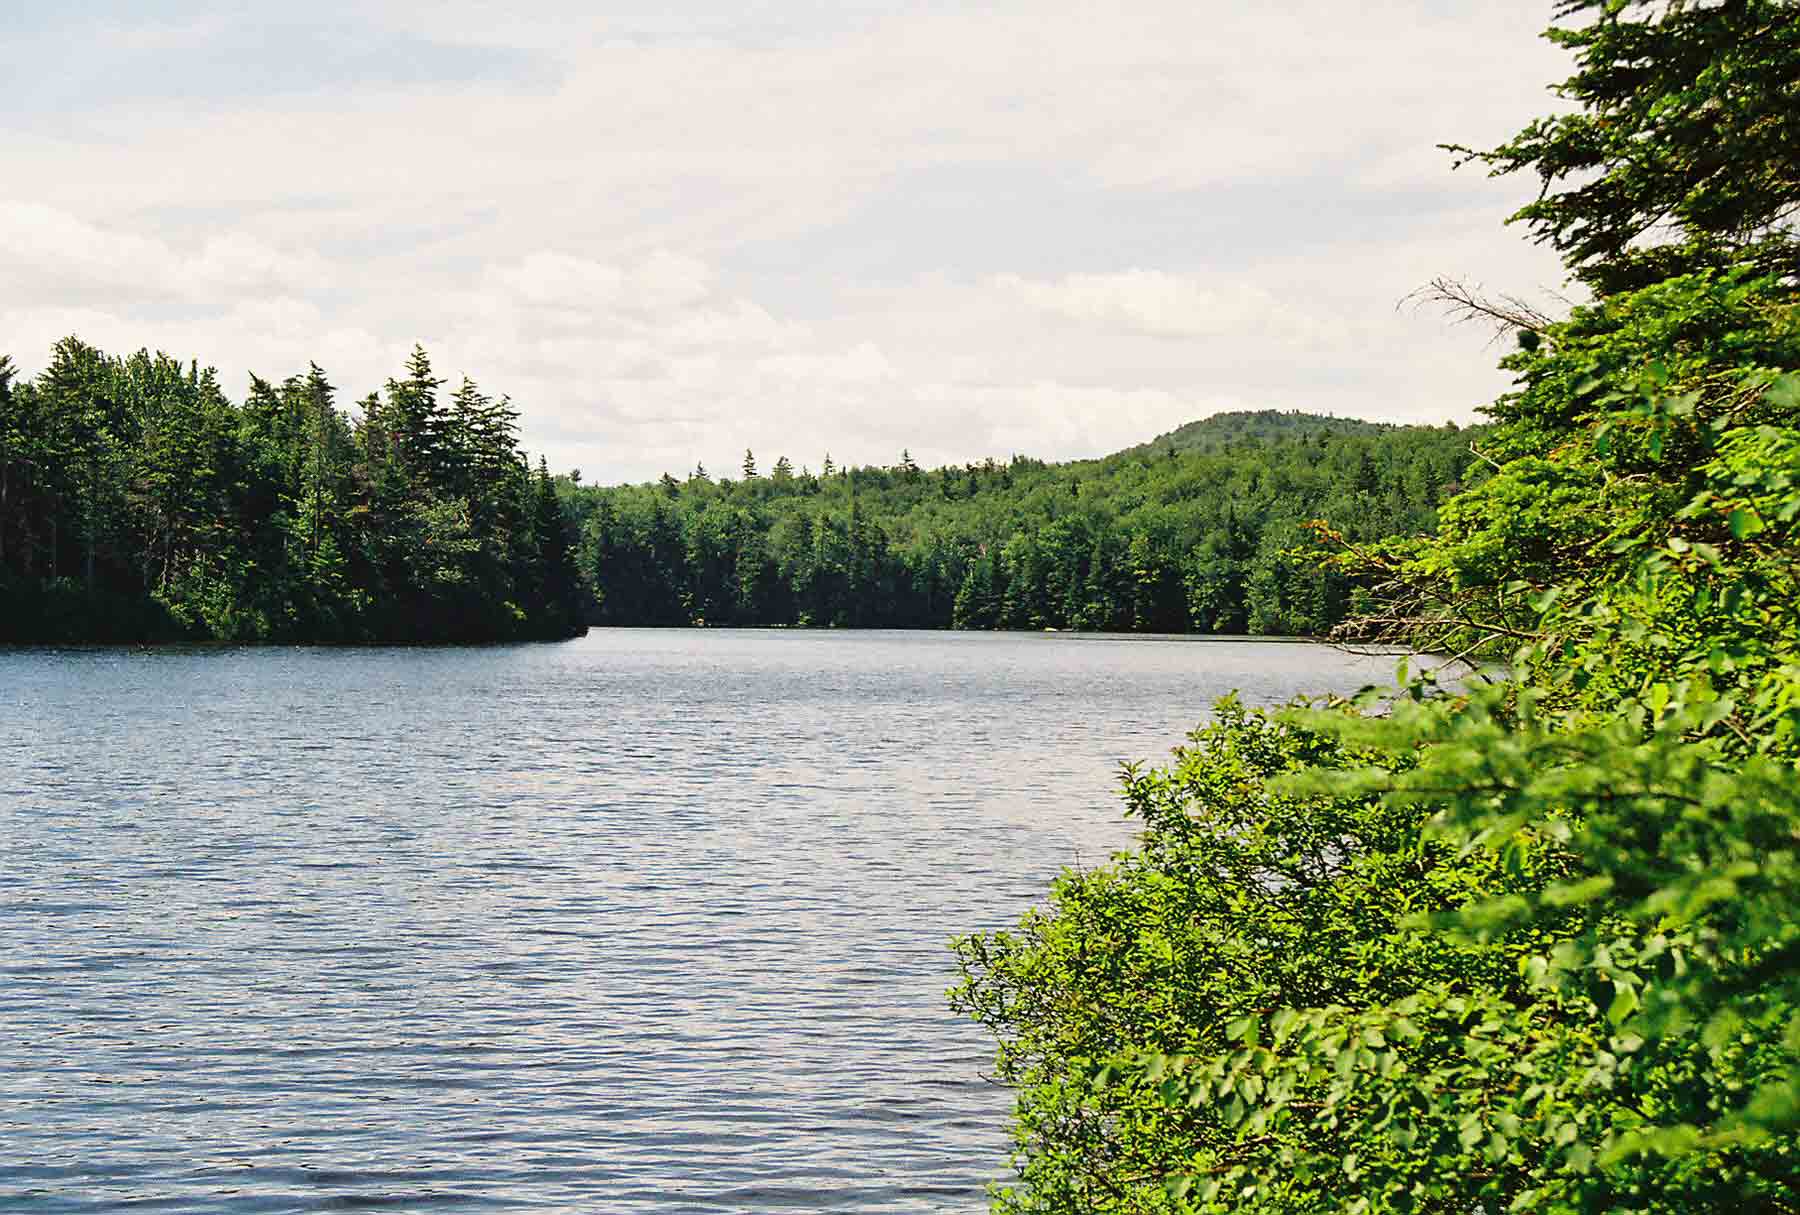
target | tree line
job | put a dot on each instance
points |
(137, 502)
(1204, 530)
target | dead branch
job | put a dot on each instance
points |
(1463, 303)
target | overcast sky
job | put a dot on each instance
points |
(672, 231)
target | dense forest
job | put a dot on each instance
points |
(1202, 530)
(1524, 941)
(138, 503)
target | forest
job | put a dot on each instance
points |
(138, 503)
(1521, 934)
(1202, 530)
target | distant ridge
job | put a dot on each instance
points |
(1216, 431)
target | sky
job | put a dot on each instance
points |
(674, 231)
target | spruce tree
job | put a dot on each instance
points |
(1685, 151)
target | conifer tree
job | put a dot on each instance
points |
(14, 455)
(417, 421)
(560, 581)
(1685, 151)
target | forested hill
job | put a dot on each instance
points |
(1202, 530)
(1223, 429)
(138, 503)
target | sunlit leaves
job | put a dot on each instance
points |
(1530, 944)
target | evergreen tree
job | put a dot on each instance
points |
(136, 502)
(1685, 151)
(1527, 942)
(557, 578)
(412, 418)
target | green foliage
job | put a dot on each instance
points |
(1685, 151)
(1637, 537)
(1242, 899)
(1223, 431)
(1201, 540)
(1530, 942)
(138, 503)
(1476, 952)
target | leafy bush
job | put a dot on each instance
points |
(1528, 944)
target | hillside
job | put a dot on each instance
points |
(1219, 430)
(1201, 530)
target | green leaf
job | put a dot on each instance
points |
(1784, 393)
(1624, 1002)
(1745, 523)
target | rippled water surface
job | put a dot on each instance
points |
(644, 922)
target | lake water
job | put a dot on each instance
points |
(644, 922)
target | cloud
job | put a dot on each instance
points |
(862, 364)
(49, 252)
(1159, 304)
(653, 285)
(1052, 227)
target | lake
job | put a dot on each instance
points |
(650, 921)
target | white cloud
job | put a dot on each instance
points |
(862, 364)
(1159, 304)
(49, 252)
(1054, 227)
(653, 285)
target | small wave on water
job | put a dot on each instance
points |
(645, 922)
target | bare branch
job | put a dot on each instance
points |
(1506, 313)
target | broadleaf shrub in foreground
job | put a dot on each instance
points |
(1521, 943)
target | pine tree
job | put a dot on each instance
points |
(560, 581)
(14, 454)
(1685, 153)
(418, 422)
